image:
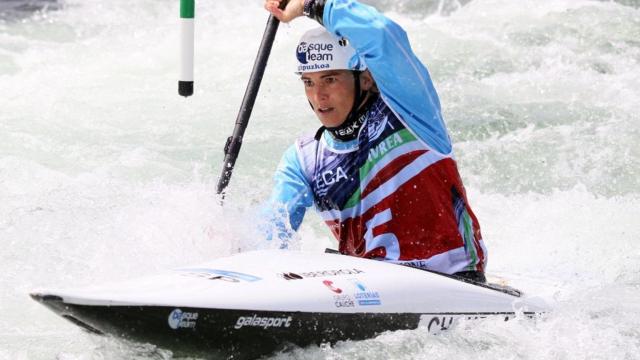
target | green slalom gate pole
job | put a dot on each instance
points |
(187, 12)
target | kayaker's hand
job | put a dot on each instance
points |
(290, 12)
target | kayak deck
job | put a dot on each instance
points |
(276, 299)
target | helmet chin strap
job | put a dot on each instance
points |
(350, 127)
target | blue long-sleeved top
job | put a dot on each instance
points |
(404, 84)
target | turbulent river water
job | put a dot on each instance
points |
(106, 173)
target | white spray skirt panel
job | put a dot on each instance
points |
(274, 280)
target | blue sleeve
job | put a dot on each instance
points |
(402, 79)
(290, 198)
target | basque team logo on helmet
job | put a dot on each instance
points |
(301, 53)
(319, 50)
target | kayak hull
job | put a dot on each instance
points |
(242, 308)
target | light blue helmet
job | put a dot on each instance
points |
(320, 50)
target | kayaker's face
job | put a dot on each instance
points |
(331, 93)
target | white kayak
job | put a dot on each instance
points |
(255, 303)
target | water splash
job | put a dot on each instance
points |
(106, 173)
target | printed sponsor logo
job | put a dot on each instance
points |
(376, 127)
(365, 296)
(319, 273)
(179, 319)
(263, 322)
(343, 301)
(420, 264)
(303, 68)
(314, 52)
(329, 285)
(291, 276)
(224, 275)
(439, 323)
(352, 128)
(384, 147)
(369, 302)
(330, 177)
(362, 296)
(301, 53)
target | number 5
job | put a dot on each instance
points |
(388, 240)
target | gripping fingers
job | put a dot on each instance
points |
(293, 9)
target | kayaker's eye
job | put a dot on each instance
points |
(307, 83)
(330, 80)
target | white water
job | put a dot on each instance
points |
(105, 173)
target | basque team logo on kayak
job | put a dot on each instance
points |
(179, 319)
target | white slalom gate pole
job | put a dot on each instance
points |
(187, 12)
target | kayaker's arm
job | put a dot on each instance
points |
(403, 80)
(290, 197)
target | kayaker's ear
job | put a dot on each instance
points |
(366, 81)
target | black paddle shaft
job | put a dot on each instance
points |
(234, 142)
